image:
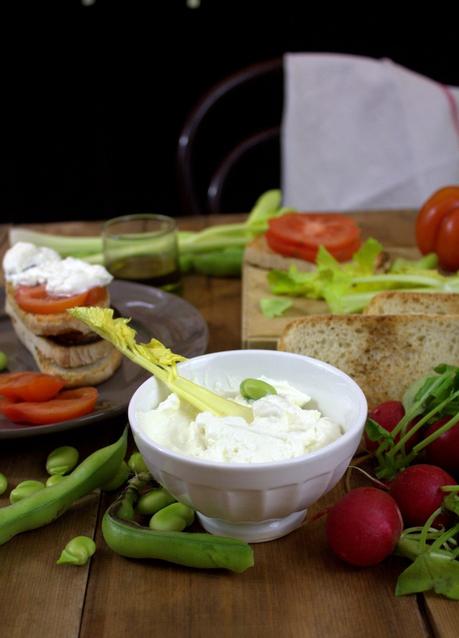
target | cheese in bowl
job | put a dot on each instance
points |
(284, 426)
(246, 490)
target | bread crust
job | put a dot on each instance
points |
(401, 302)
(78, 365)
(384, 354)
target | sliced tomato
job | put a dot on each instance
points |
(68, 404)
(35, 299)
(301, 234)
(5, 401)
(29, 386)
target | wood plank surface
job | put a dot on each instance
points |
(296, 588)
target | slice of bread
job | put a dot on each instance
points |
(51, 324)
(65, 356)
(384, 354)
(399, 302)
(258, 253)
(90, 374)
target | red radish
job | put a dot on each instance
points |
(364, 526)
(388, 415)
(444, 451)
(417, 492)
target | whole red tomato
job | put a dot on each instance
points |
(437, 227)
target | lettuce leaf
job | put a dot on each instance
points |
(349, 287)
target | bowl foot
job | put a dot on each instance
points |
(258, 532)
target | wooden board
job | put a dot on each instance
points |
(259, 331)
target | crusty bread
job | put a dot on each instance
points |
(383, 353)
(51, 324)
(399, 302)
(90, 374)
(63, 345)
(64, 356)
(258, 253)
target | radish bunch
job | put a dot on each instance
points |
(414, 512)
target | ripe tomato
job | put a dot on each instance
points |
(68, 404)
(301, 234)
(437, 227)
(35, 299)
(29, 386)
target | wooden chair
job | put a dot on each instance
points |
(229, 147)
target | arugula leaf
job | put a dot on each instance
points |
(376, 432)
(274, 307)
(431, 570)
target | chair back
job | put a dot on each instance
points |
(228, 151)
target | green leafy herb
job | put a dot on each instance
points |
(349, 287)
(158, 360)
(434, 554)
(432, 397)
(274, 307)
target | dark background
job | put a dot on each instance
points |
(94, 97)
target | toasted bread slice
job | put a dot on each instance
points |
(65, 356)
(399, 302)
(258, 253)
(383, 353)
(90, 374)
(51, 324)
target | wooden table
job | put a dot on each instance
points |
(296, 589)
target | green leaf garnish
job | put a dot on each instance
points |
(274, 307)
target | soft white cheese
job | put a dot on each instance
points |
(280, 430)
(27, 265)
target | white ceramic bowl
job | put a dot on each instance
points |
(262, 501)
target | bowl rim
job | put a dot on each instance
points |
(297, 460)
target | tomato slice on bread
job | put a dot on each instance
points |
(29, 386)
(300, 235)
(68, 404)
(35, 299)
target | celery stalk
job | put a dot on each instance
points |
(158, 360)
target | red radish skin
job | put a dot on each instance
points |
(417, 492)
(444, 451)
(364, 526)
(388, 415)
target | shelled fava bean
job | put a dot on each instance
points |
(3, 361)
(62, 460)
(3, 483)
(154, 500)
(77, 551)
(25, 489)
(173, 518)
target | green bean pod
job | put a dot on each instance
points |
(3, 361)
(46, 505)
(119, 479)
(132, 540)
